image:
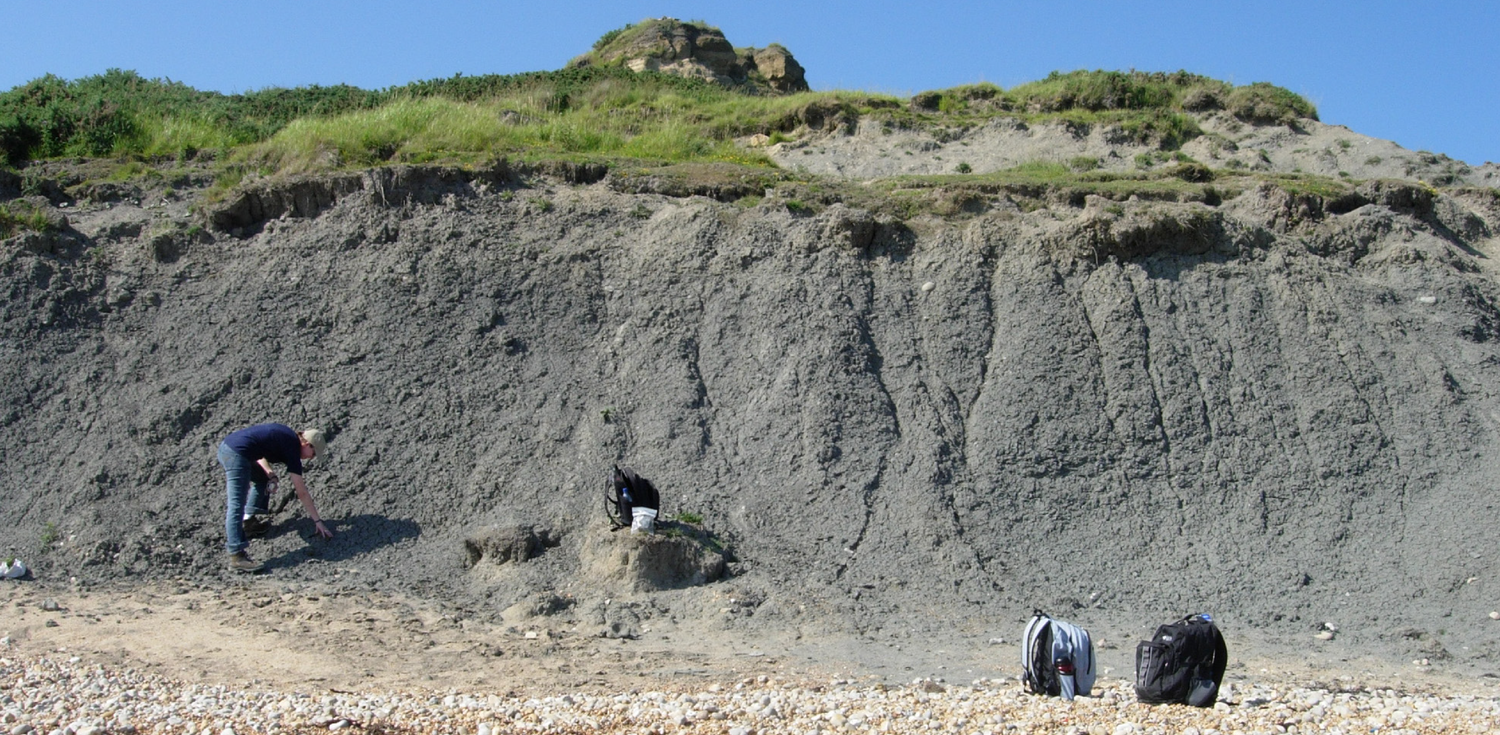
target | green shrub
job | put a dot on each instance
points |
(927, 100)
(964, 168)
(1192, 171)
(1265, 103)
(119, 112)
(1083, 163)
(980, 91)
(1099, 90)
(610, 36)
(950, 104)
(1167, 130)
(1203, 97)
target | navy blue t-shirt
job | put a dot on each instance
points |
(271, 442)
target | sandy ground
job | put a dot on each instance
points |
(260, 632)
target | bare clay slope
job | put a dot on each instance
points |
(1121, 412)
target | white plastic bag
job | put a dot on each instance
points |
(16, 570)
(643, 520)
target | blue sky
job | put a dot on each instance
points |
(1424, 74)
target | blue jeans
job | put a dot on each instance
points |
(242, 489)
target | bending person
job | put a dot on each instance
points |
(246, 456)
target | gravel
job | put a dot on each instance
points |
(67, 696)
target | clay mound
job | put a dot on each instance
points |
(507, 544)
(679, 555)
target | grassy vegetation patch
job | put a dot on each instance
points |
(1152, 107)
(656, 132)
(722, 181)
(19, 216)
(601, 111)
(119, 113)
(1040, 184)
(1321, 186)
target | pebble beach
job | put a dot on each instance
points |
(66, 696)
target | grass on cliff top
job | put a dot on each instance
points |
(1101, 91)
(587, 112)
(609, 122)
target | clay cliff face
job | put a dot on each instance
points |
(1277, 408)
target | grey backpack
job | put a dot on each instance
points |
(1057, 658)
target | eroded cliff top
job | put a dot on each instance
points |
(699, 51)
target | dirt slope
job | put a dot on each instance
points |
(1277, 409)
(869, 149)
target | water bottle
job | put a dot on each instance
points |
(1065, 678)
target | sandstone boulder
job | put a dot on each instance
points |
(697, 51)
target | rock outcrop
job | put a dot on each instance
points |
(698, 51)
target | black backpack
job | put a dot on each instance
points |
(1183, 663)
(626, 491)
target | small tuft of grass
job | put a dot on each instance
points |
(1083, 163)
(50, 535)
(20, 216)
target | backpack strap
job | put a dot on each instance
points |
(1039, 672)
(613, 508)
(1221, 654)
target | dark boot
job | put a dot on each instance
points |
(240, 561)
(256, 526)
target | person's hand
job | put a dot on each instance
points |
(322, 530)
